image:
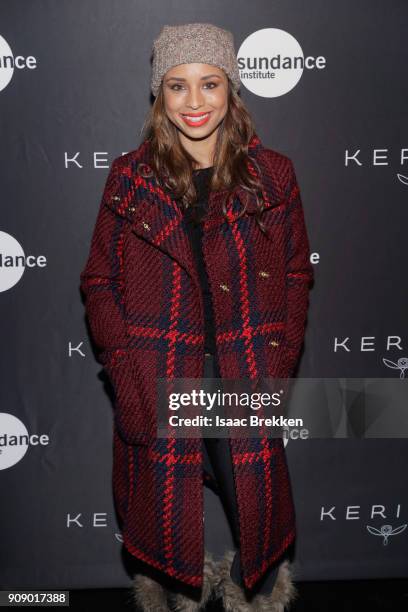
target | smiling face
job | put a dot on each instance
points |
(195, 98)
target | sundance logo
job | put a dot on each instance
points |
(8, 62)
(13, 261)
(271, 62)
(15, 440)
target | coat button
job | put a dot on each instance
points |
(116, 198)
(146, 226)
(263, 273)
(224, 287)
(274, 343)
(132, 208)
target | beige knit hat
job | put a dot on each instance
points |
(193, 42)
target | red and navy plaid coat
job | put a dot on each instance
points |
(145, 312)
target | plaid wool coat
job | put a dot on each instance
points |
(145, 311)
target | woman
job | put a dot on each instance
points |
(199, 266)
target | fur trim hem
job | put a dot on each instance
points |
(148, 594)
(235, 598)
(180, 602)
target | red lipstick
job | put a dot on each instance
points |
(192, 122)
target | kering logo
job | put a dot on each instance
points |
(96, 520)
(8, 62)
(368, 344)
(377, 157)
(13, 261)
(15, 440)
(352, 513)
(271, 62)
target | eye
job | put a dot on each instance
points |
(212, 83)
(175, 87)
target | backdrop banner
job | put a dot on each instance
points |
(324, 83)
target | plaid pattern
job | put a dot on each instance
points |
(145, 312)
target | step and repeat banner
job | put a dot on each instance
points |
(324, 82)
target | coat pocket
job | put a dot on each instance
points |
(128, 414)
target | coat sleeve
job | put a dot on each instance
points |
(101, 280)
(299, 272)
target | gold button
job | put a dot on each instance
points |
(224, 287)
(115, 198)
(263, 273)
(274, 343)
(146, 225)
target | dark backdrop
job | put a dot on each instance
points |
(78, 100)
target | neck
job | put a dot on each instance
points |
(201, 149)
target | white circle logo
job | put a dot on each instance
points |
(14, 440)
(7, 63)
(271, 62)
(12, 261)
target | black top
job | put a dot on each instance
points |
(194, 215)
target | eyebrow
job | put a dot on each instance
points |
(207, 76)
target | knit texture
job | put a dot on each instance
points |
(193, 43)
(193, 216)
(143, 305)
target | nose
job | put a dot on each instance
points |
(195, 98)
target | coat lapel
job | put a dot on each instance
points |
(154, 216)
(158, 219)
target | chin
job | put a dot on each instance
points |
(198, 132)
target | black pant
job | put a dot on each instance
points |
(217, 455)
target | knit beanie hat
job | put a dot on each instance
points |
(193, 43)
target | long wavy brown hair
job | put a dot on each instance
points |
(173, 165)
